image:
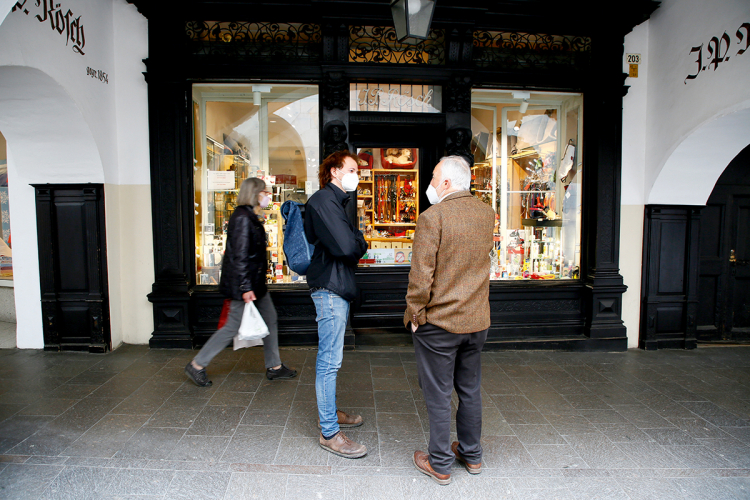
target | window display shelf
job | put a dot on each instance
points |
(394, 171)
(541, 222)
(394, 240)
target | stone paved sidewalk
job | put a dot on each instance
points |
(634, 425)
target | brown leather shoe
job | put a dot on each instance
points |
(422, 463)
(343, 446)
(470, 468)
(346, 421)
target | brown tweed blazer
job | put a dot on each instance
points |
(449, 282)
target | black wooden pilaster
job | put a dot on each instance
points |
(171, 198)
(602, 154)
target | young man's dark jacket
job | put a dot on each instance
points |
(338, 244)
(243, 268)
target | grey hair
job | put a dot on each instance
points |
(249, 191)
(456, 168)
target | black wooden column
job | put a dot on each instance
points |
(171, 198)
(602, 155)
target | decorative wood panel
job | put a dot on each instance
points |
(669, 300)
(73, 266)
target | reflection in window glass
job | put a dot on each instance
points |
(527, 169)
(264, 131)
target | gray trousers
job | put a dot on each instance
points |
(223, 336)
(446, 361)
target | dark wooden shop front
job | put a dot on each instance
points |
(536, 46)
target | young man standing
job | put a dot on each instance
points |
(338, 247)
(448, 311)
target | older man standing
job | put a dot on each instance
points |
(448, 311)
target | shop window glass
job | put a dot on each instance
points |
(388, 203)
(400, 98)
(6, 254)
(527, 167)
(267, 131)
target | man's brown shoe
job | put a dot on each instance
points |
(346, 421)
(422, 463)
(470, 468)
(343, 446)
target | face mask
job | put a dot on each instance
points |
(432, 195)
(265, 201)
(350, 181)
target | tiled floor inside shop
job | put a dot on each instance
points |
(631, 425)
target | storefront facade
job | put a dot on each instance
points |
(236, 92)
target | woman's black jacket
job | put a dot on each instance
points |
(338, 244)
(243, 268)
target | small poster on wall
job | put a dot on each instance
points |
(221, 180)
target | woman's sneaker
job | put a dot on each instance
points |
(281, 373)
(198, 376)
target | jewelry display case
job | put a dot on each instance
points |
(388, 204)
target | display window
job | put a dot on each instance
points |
(6, 254)
(269, 131)
(527, 167)
(388, 203)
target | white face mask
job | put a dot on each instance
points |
(265, 201)
(350, 181)
(432, 195)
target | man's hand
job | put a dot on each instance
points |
(248, 296)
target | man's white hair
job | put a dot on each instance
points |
(456, 168)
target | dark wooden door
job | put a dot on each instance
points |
(73, 267)
(724, 290)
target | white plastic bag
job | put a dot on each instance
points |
(240, 344)
(252, 326)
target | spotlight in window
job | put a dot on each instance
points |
(524, 97)
(517, 126)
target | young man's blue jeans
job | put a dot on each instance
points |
(333, 312)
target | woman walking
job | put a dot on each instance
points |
(243, 279)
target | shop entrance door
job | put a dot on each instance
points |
(377, 313)
(724, 290)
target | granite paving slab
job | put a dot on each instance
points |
(556, 425)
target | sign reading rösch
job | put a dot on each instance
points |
(64, 22)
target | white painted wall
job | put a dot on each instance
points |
(634, 139)
(678, 137)
(694, 129)
(64, 126)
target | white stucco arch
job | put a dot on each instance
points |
(5, 6)
(691, 170)
(49, 141)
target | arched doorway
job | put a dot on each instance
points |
(724, 288)
(49, 141)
